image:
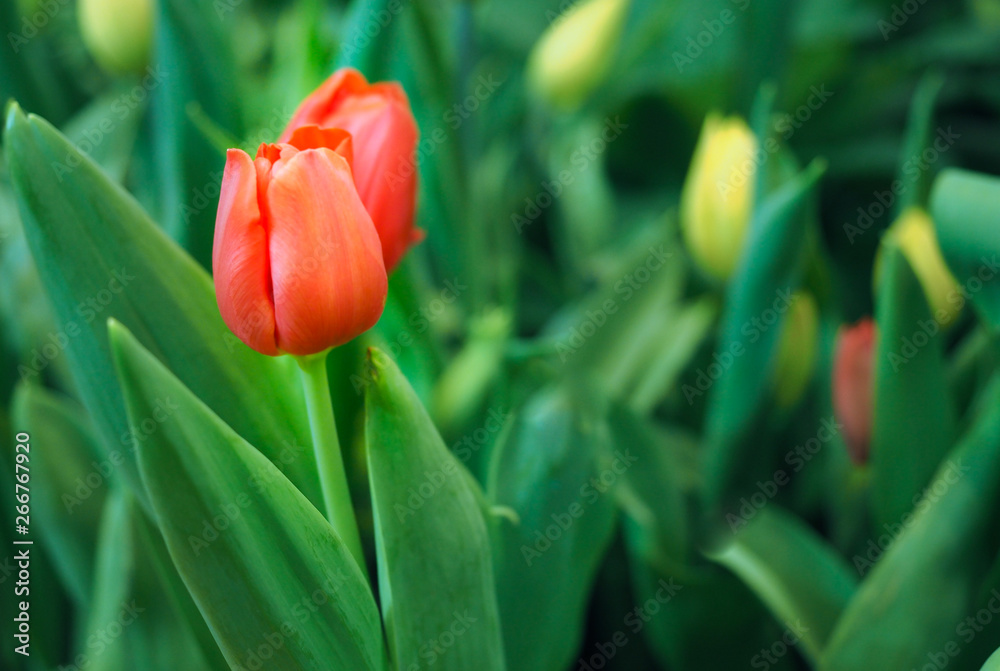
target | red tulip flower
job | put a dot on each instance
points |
(384, 138)
(852, 386)
(297, 261)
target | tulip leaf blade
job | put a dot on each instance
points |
(963, 207)
(547, 559)
(803, 581)
(765, 279)
(913, 422)
(272, 571)
(434, 565)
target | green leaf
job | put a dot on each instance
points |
(804, 582)
(926, 583)
(766, 277)
(919, 129)
(434, 565)
(547, 560)
(67, 490)
(963, 207)
(100, 256)
(993, 663)
(914, 421)
(265, 568)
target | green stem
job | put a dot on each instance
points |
(330, 462)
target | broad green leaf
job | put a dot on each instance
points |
(556, 470)
(926, 583)
(68, 483)
(914, 420)
(265, 568)
(993, 663)
(759, 292)
(100, 256)
(434, 565)
(193, 63)
(963, 206)
(795, 573)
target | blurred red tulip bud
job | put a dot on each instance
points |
(297, 262)
(384, 136)
(852, 386)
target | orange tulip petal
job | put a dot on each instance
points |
(852, 386)
(240, 258)
(314, 137)
(385, 139)
(326, 262)
(322, 102)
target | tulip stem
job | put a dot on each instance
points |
(329, 460)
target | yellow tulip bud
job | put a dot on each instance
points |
(796, 350)
(717, 199)
(118, 33)
(914, 233)
(573, 55)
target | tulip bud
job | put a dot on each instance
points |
(914, 233)
(297, 262)
(852, 386)
(717, 200)
(118, 33)
(384, 136)
(574, 54)
(796, 350)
